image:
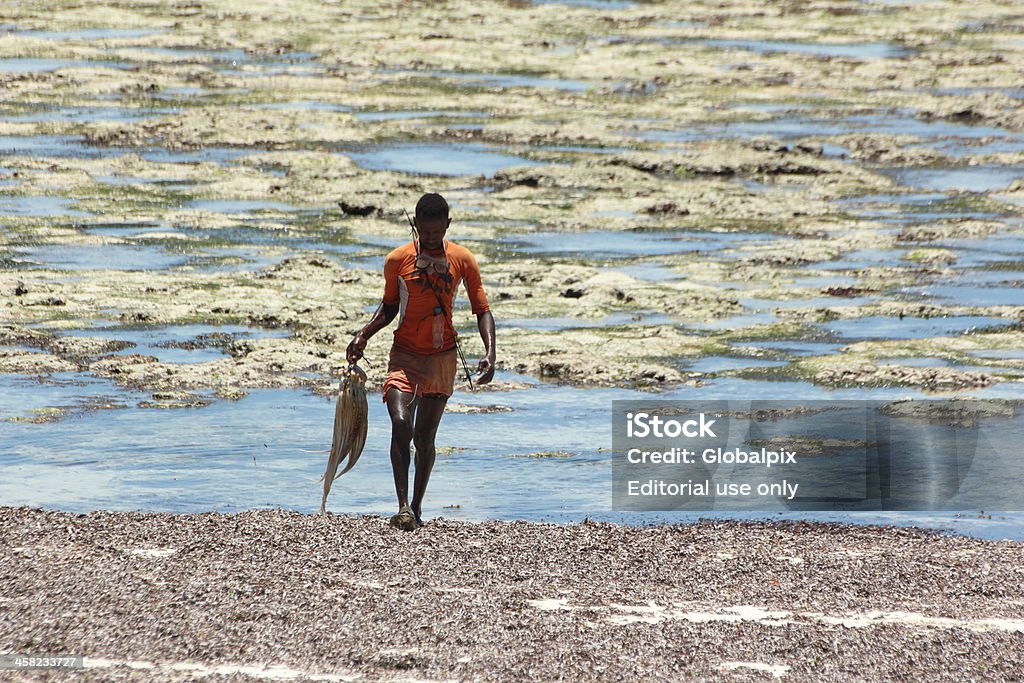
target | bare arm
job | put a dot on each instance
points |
(382, 317)
(485, 370)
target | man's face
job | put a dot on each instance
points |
(432, 231)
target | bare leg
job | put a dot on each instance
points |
(401, 405)
(428, 417)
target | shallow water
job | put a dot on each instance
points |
(882, 327)
(716, 364)
(269, 449)
(21, 65)
(88, 34)
(650, 271)
(437, 159)
(38, 206)
(912, 208)
(98, 257)
(853, 50)
(48, 146)
(568, 323)
(951, 137)
(86, 114)
(965, 179)
(1011, 294)
(1001, 354)
(615, 244)
(22, 395)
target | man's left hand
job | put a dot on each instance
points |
(485, 371)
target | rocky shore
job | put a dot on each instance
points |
(646, 185)
(277, 595)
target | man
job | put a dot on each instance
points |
(420, 282)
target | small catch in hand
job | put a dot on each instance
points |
(350, 423)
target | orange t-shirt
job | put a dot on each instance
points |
(414, 292)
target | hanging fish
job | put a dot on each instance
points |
(350, 423)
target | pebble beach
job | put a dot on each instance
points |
(277, 595)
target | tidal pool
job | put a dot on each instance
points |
(26, 397)
(884, 327)
(38, 205)
(965, 178)
(852, 50)
(99, 257)
(612, 244)
(967, 294)
(21, 65)
(437, 159)
(716, 364)
(86, 114)
(569, 323)
(88, 34)
(954, 137)
(49, 146)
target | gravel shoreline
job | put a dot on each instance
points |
(278, 595)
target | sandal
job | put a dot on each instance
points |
(404, 520)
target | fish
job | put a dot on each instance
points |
(350, 423)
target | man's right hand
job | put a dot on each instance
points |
(356, 348)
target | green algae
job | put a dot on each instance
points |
(637, 74)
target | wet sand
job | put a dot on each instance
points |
(277, 595)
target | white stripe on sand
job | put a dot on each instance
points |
(777, 670)
(652, 613)
(268, 672)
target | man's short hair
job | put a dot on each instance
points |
(431, 206)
